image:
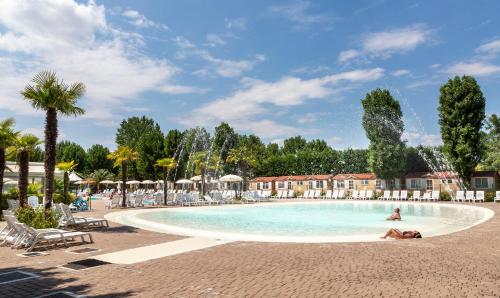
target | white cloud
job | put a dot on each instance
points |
(214, 40)
(491, 48)
(473, 68)
(139, 20)
(298, 13)
(181, 89)
(247, 107)
(386, 43)
(417, 138)
(76, 41)
(223, 67)
(239, 23)
(310, 117)
(401, 72)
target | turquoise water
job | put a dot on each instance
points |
(328, 219)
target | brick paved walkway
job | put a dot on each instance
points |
(464, 264)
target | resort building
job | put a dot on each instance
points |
(485, 180)
(428, 181)
(36, 174)
(297, 184)
(263, 183)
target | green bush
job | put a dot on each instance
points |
(38, 218)
(59, 198)
(444, 196)
(489, 196)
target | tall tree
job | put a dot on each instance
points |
(383, 124)
(244, 158)
(54, 96)
(121, 157)
(172, 142)
(66, 167)
(69, 151)
(225, 139)
(22, 148)
(294, 144)
(461, 116)
(167, 164)
(7, 138)
(97, 158)
(491, 140)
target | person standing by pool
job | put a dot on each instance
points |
(396, 215)
(397, 234)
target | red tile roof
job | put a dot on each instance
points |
(303, 177)
(433, 175)
(362, 176)
(485, 174)
(264, 179)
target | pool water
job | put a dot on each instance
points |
(311, 221)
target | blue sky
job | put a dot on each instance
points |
(276, 69)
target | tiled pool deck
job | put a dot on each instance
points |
(465, 263)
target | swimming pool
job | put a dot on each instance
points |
(314, 221)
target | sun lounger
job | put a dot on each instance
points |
(13, 205)
(497, 197)
(341, 194)
(469, 196)
(404, 195)
(395, 195)
(369, 194)
(435, 195)
(386, 195)
(34, 237)
(328, 194)
(68, 219)
(362, 194)
(459, 196)
(415, 196)
(355, 195)
(335, 194)
(210, 201)
(479, 196)
(426, 197)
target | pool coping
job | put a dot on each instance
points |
(129, 218)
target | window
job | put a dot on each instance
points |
(319, 184)
(450, 181)
(392, 184)
(266, 185)
(481, 183)
(428, 184)
(258, 185)
(289, 184)
(300, 183)
(310, 184)
(415, 184)
(340, 184)
(281, 184)
(364, 182)
(378, 184)
(351, 184)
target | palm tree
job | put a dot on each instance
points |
(7, 138)
(244, 158)
(100, 175)
(66, 167)
(52, 95)
(121, 156)
(22, 148)
(167, 164)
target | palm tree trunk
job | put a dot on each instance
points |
(23, 177)
(165, 187)
(50, 154)
(65, 187)
(2, 169)
(124, 181)
(202, 182)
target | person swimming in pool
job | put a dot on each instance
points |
(397, 234)
(396, 215)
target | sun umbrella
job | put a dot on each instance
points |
(133, 182)
(159, 181)
(80, 182)
(11, 182)
(73, 177)
(148, 182)
(231, 178)
(6, 179)
(107, 182)
(196, 178)
(184, 181)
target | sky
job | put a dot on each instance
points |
(272, 68)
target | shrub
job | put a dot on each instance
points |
(38, 218)
(59, 198)
(489, 196)
(444, 196)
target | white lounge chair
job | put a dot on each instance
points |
(469, 196)
(341, 194)
(435, 195)
(415, 196)
(317, 194)
(459, 196)
(426, 197)
(362, 194)
(404, 195)
(369, 194)
(479, 196)
(386, 195)
(328, 194)
(395, 195)
(35, 237)
(335, 194)
(68, 219)
(33, 201)
(497, 197)
(355, 195)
